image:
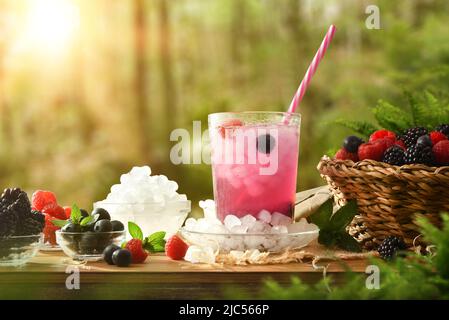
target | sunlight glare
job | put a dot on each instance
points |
(51, 24)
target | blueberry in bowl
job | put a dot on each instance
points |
(85, 237)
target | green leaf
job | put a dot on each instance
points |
(157, 235)
(323, 215)
(391, 117)
(363, 128)
(59, 223)
(326, 238)
(86, 220)
(155, 242)
(344, 216)
(348, 243)
(76, 215)
(135, 231)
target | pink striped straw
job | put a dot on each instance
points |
(311, 70)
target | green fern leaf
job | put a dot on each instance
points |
(391, 117)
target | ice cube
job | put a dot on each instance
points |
(265, 216)
(140, 171)
(190, 224)
(279, 219)
(197, 254)
(279, 229)
(218, 229)
(259, 227)
(239, 229)
(269, 242)
(253, 188)
(248, 220)
(231, 221)
(253, 242)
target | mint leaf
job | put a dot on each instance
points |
(344, 216)
(348, 243)
(155, 242)
(86, 220)
(322, 217)
(76, 215)
(156, 236)
(59, 223)
(135, 231)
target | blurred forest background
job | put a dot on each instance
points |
(89, 88)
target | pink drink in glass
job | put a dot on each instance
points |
(254, 162)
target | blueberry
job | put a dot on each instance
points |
(102, 214)
(108, 251)
(265, 143)
(352, 143)
(103, 226)
(117, 225)
(71, 227)
(424, 140)
(88, 242)
(121, 258)
(84, 213)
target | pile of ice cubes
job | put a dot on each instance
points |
(150, 201)
(272, 232)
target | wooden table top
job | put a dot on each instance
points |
(159, 277)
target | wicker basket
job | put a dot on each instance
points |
(389, 197)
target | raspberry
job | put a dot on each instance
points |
(382, 134)
(229, 124)
(68, 212)
(437, 136)
(138, 253)
(342, 154)
(41, 199)
(401, 144)
(175, 248)
(373, 151)
(49, 230)
(441, 152)
(385, 143)
(55, 211)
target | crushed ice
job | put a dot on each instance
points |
(268, 232)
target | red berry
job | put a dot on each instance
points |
(373, 151)
(229, 124)
(382, 134)
(138, 253)
(68, 212)
(441, 152)
(175, 248)
(436, 137)
(401, 144)
(49, 230)
(385, 143)
(343, 154)
(55, 211)
(41, 199)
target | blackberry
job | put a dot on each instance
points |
(419, 154)
(29, 227)
(411, 136)
(8, 222)
(389, 248)
(394, 156)
(443, 128)
(16, 216)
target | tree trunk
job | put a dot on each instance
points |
(169, 90)
(140, 78)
